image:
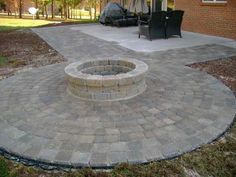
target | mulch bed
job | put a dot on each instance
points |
(24, 49)
(222, 69)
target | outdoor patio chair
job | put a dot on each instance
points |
(173, 24)
(124, 22)
(143, 19)
(155, 27)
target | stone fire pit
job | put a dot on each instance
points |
(106, 80)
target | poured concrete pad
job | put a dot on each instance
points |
(180, 110)
(128, 38)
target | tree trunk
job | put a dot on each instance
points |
(71, 14)
(95, 12)
(65, 9)
(52, 9)
(46, 11)
(15, 8)
(76, 13)
(100, 6)
(43, 11)
(61, 11)
(36, 6)
(90, 13)
(20, 8)
(8, 8)
(68, 11)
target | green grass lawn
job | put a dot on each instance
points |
(10, 23)
(3, 61)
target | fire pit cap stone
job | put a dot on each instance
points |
(106, 77)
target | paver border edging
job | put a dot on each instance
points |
(65, 167)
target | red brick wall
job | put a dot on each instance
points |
(213, 19)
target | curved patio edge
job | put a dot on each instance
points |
(46, 165)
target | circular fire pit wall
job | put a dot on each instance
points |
(106, 80)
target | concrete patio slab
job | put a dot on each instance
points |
(181, 109)
(230, 44)
(128, 38)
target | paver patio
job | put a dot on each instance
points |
(181, 109)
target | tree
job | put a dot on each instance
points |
(20, 5)
(44, 4)
(75, 4)
(65, 9)
(37, 7)
(52, 8)
(67, 6)
(8, 4)
(96, 4)
(92, 4)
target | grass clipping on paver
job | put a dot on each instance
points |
(217, 159)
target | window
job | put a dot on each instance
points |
(214, 1)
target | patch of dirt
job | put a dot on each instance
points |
(23, 49)
(222, 69)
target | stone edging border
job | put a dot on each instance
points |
(50, 166)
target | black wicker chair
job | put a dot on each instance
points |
(144, 18)
(173, 23)
(155, 27)
(125, 22)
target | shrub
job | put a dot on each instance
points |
(4, 171)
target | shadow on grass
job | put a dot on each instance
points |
(11, 28)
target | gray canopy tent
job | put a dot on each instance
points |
(112, 10)
(115, 14)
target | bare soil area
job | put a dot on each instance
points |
(22, 50)
(222, 69)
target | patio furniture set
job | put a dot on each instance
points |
(116, 15)
(160, 24)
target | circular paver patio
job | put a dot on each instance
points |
(180, 110)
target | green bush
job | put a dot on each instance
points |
(2, 61)
(4, 171)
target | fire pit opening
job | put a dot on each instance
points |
(106, 67)
(106, 80)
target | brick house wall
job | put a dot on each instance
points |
(213, 19)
